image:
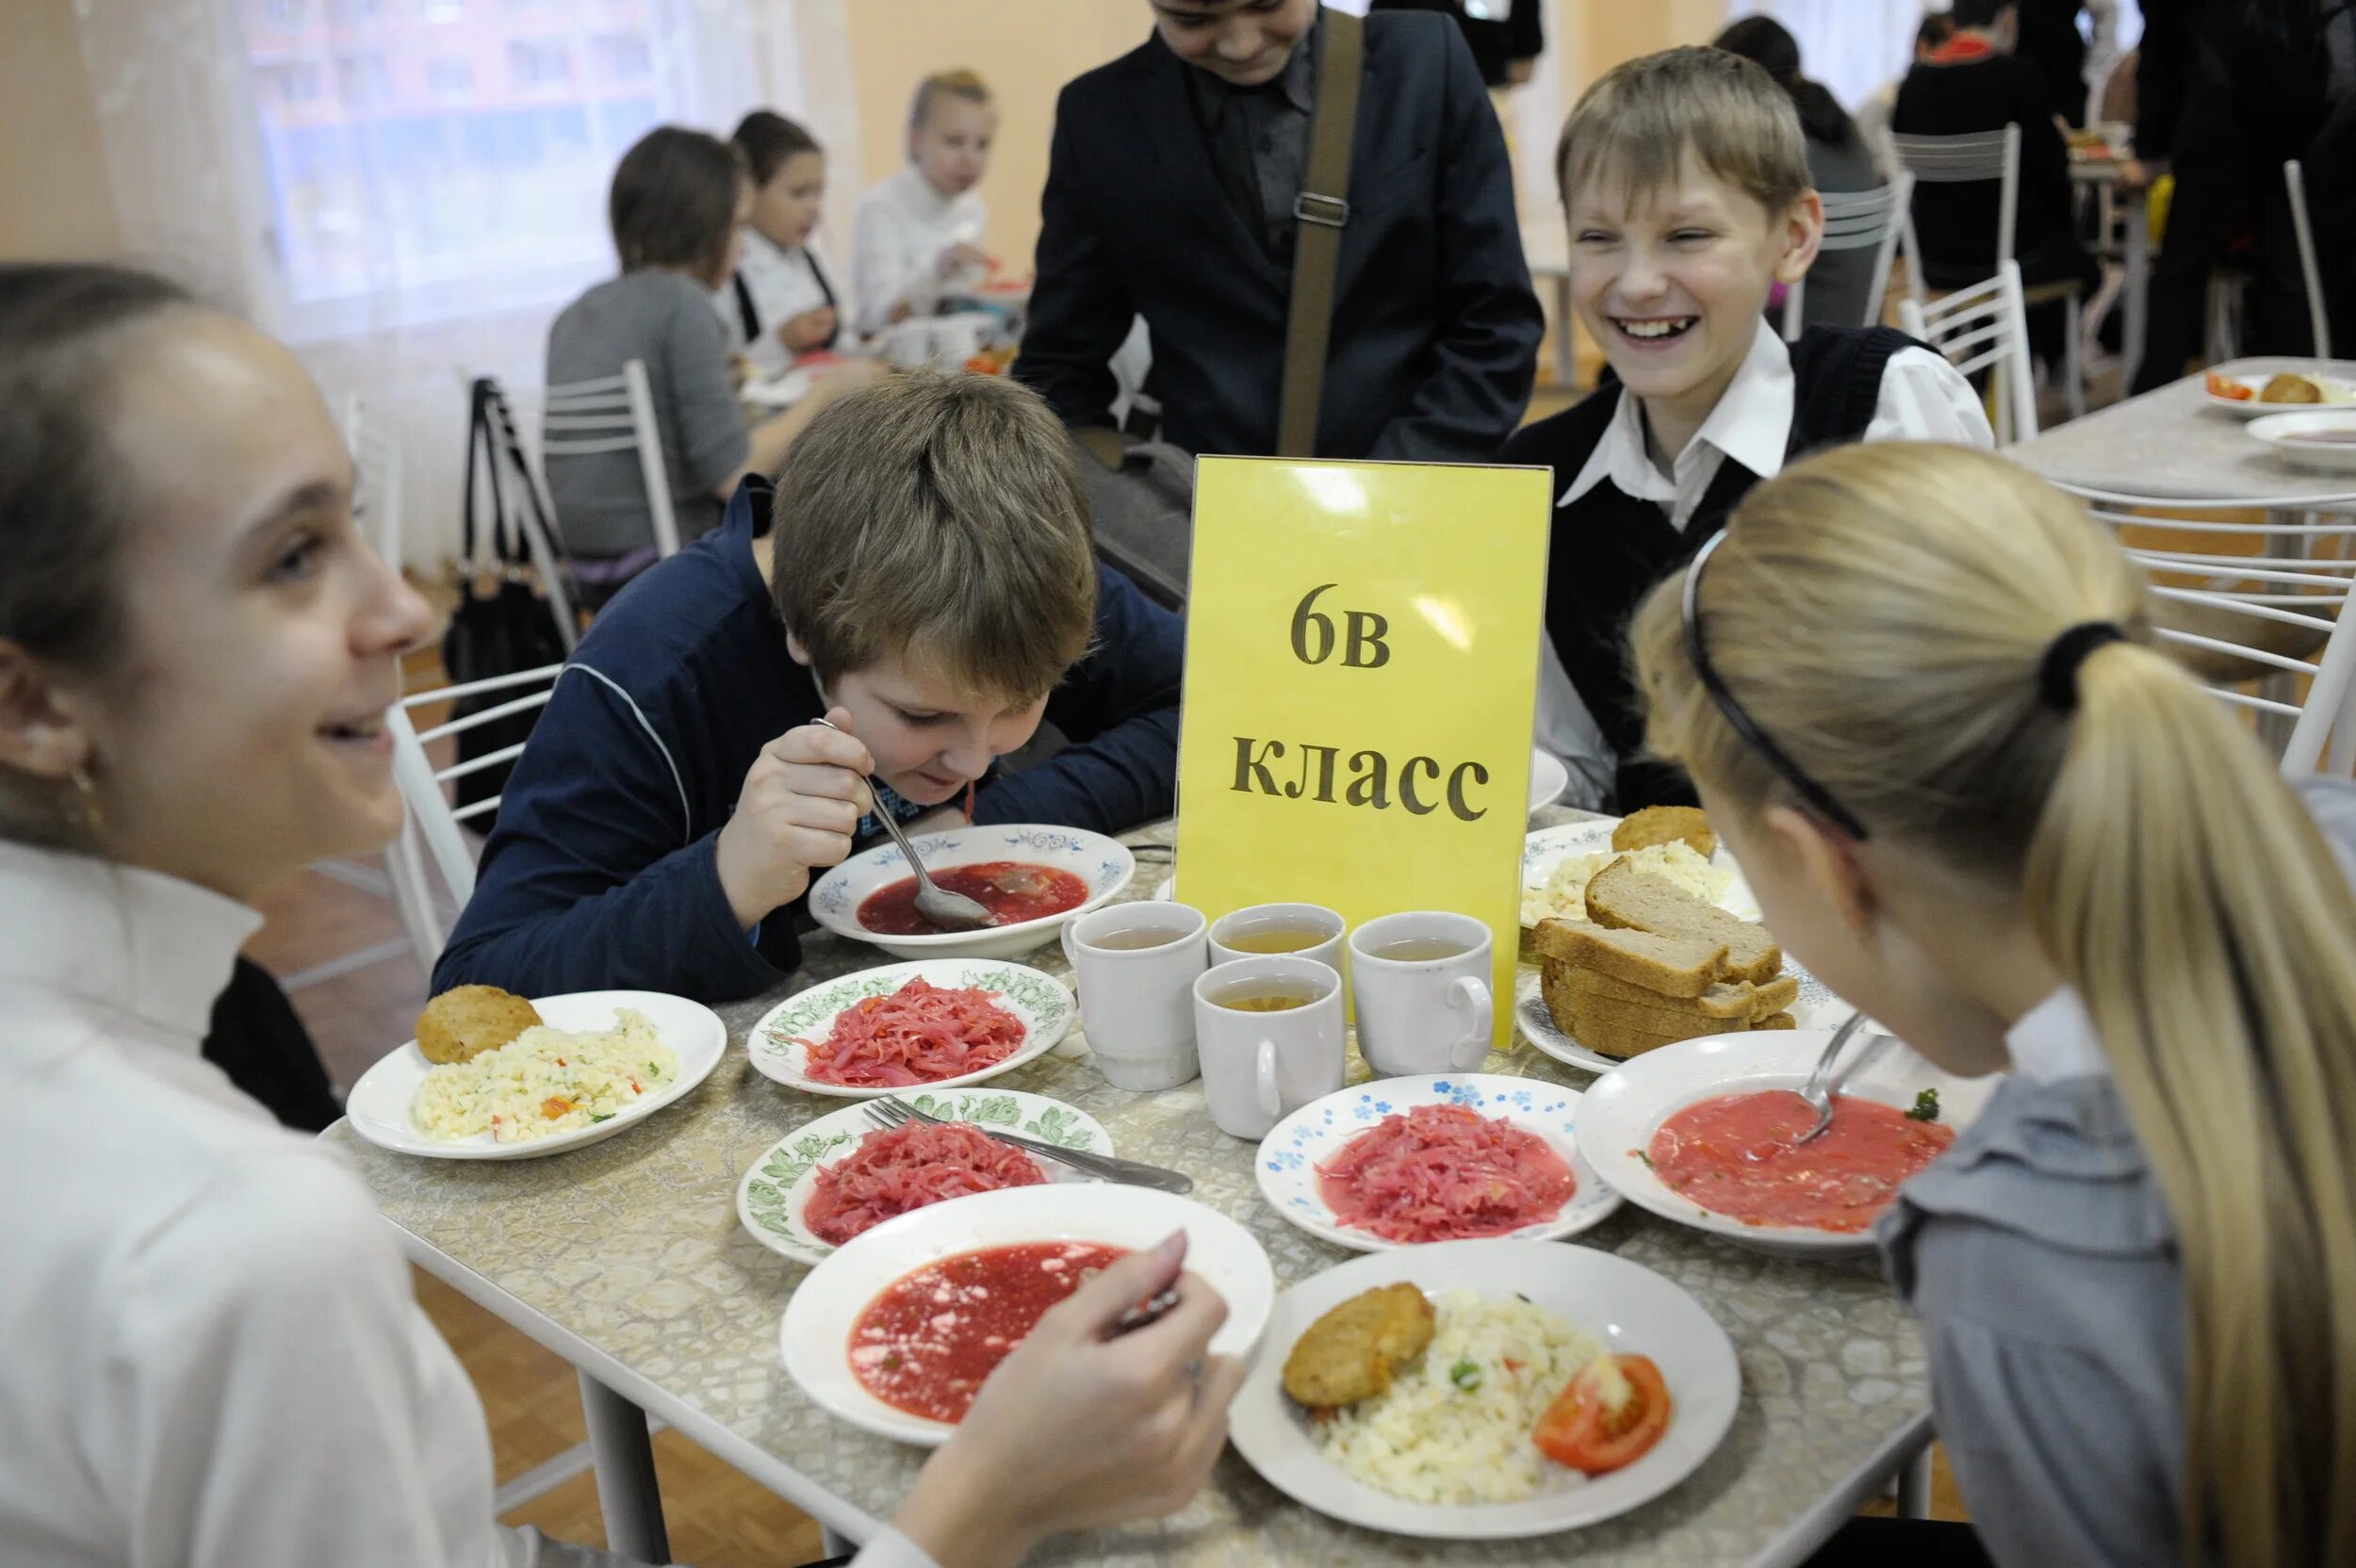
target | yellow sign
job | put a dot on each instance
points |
(1362, 664)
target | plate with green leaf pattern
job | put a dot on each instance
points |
(771, 1198)
(1042, 1004)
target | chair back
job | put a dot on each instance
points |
(612, 414)
(1985, 327)
(432, 823)
(1854, 221)
(2310, 271)
(1972, 159)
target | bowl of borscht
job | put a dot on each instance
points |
(1031, 877)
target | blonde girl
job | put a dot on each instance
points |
(1918, 691)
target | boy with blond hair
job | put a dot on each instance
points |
(921, 576)
(1685, 179)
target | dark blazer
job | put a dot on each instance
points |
(1435, 330)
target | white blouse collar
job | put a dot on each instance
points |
(122, 939)
(2056, 1041)
(1751, 424)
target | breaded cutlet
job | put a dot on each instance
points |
(1352, 1352)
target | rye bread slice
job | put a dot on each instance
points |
(1624, 898)
(1604, 1032)
(1672, 966)
(1728, 998)
(1622, 1019)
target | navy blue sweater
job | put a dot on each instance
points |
(600, 873)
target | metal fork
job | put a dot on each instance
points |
(948, 910)
(1823, 1083)
(892, 1111)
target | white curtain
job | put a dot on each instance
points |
(406, 190)
(1852, 46)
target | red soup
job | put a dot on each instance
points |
(1011, 890)
(927, 1341)
(1736, 1156)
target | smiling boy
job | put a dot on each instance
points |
(1685, 178)
(926, 583)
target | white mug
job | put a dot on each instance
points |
(1137, 1003)
(1421, 1015)
(1316, 917)
(1260, 1066)
(958, 338)
(909, 344)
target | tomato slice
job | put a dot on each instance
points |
(2220, 388)
(1582, 1430)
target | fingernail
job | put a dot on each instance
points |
(1172, 1247)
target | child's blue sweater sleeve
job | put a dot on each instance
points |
(1119, 709)
(589, 881)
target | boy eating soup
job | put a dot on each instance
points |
(1685, 178)
(923, 578)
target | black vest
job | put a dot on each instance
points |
(1610, 548)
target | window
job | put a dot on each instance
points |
(622, 57)
(449, 77)
(291, 82)
(282, 13)
(350, 13)
(538, 63)
(361, 80)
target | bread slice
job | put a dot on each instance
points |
(1666, 824)
(1589, 1015)
(1611, 1033)
(1730, 999)
(1672, 966)
(1624, 898)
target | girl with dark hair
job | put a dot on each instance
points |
(214, 1357)
(781, 302)
(1837, 161)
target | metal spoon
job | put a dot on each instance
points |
(1823, 1083)
(948, 910)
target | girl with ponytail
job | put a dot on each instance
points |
(1916, 690)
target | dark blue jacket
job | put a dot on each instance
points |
(600, 872)
(1435, 331)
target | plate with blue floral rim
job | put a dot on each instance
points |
(1043, 1003)
(1289, 1155)
(771, 1198)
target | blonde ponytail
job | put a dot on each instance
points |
(1882, 613)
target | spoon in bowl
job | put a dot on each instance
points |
(1823, 1083)
(948, 910)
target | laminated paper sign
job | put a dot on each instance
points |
(1361, 664)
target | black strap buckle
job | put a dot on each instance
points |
(1310, 207)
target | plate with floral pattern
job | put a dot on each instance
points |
(771, 1198)
(1043, 1003)
(1287, 1161)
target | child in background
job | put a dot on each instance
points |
(1686, 179)
(917, 236)
(780, 303)
(1917, 689)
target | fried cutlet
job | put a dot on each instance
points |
(2290, 389)
(1351, 1353)
(1666, 824)
(465, 1022)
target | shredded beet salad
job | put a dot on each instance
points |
(908, 1167)
(920, 1033)
(1444, 1172)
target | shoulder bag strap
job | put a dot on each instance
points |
(1322, 207)
(481, 458)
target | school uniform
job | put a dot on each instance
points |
(1621, 525)
(772, 286)
(600, 872)
(897, 236)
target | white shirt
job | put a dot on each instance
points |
(2055, 1041)
(783, 283)
(213, 1357)
(1922, 397)
(902, 228)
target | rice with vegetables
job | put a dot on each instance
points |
(1454, 1426)
(545, 1080)
(1564, 894)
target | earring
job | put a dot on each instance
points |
(86, 807)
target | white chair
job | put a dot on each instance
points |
(432, 829)
(1985, 327)
(2296, 179)
(376, 477)
(1854, 221)
(610, 414)
(1976, 159)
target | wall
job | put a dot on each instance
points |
(55, 199)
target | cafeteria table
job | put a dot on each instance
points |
(625, 1258)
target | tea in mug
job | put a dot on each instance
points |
(1273, 936)
(1133, 938)
(1262, 998)
(1419, 949)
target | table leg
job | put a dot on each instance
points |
(623, 1456)
(2138, 266)
(1914, 1486)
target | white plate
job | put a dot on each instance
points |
(1548, 778)
(1548, 847)
(1104, 864)
(1624, 1106)
(816, 1333)
(1286, 1163)
(1626, 1305)
(2335, 391)
(1043, 1004)
(2283, 432)
(377, 1107)
(771, 1198)
(1815, 1008)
